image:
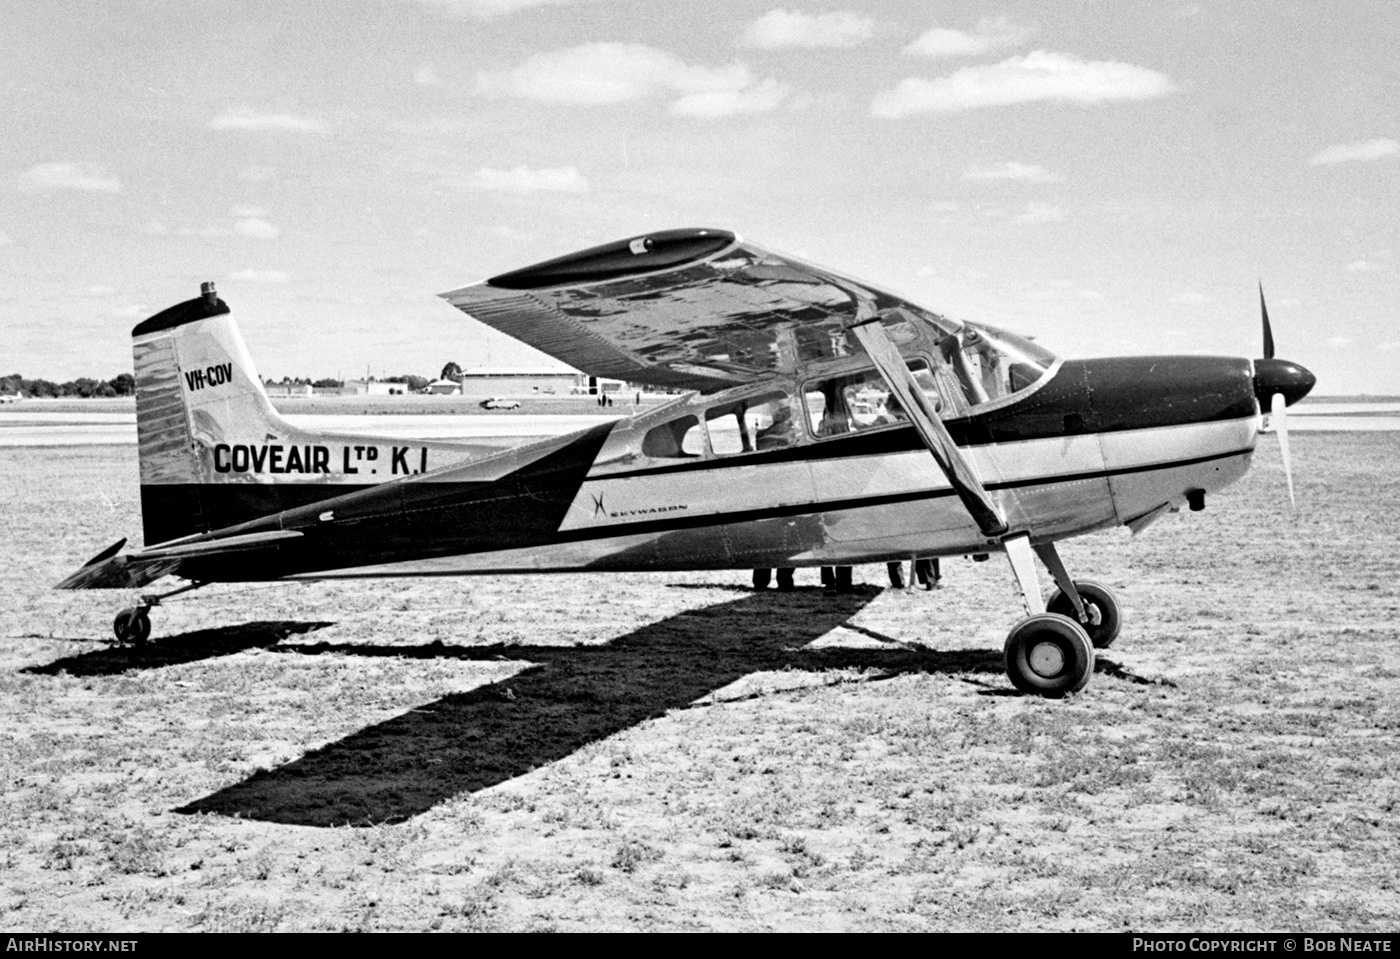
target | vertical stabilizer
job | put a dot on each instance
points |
(215, 453)
(196, 387)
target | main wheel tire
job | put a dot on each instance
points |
(1049, 655)
(761, 578)
(1100, 603)
(785, 579)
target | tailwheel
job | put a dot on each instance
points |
(1105, 615)
(132, 626)
(1049, 655)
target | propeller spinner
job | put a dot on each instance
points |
(1279, 384)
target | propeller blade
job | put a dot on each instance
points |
(1278, 413)
(1268, 333)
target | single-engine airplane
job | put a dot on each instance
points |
(813, 403)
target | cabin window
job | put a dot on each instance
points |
(861, 401)
(758, 423)
(681, 438)
(727, 434)
(771, 422)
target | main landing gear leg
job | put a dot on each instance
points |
(1091, 604)
(1047, 653)
(133, 624)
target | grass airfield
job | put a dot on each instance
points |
(675, 752)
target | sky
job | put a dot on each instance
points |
(1112, 178)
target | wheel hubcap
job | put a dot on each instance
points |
(1047, 659)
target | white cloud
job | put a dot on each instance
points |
(426, 76)
(5, 239)
(1010, 170)
(783, 29)
(487, 8)
(1033, 212)
(157, 228)
(135, 311)
(1339, 341)
(765, 96)
(243, 119)
(258, 174)
(1038, 76)
(97, 291)
(1347, 152)
(598, 74)
(1389, 345)
(1365, 266)
(523, 179)
(259, 276)
(248, 211)
(990, 34)
(69, 176)
(257, 228)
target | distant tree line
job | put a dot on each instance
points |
(412, 383)
(123, 384)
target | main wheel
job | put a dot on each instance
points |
(1105, 615)
(761, 578)
(1049, 655)
(132, 626)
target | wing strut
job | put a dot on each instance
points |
(946, 453)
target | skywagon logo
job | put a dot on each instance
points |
(599, 509)
(216, 375)
(647, 511)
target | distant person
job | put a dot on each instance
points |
(926, 573)
(762, 577)
(837, 579)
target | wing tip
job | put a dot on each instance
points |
(646, 253)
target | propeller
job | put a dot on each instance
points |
(1280, 384)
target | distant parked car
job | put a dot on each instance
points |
(495, 403)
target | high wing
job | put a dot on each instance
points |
(681, 309)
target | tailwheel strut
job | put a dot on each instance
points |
(132, 626)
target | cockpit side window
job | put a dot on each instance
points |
(861, 401)
(757, 423)
(681, 438)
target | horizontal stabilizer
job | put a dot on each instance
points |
(134, 570)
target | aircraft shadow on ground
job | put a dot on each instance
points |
(571, 697)
(175, 650)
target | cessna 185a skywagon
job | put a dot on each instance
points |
(814, 402)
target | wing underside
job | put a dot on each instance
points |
(681, 309)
